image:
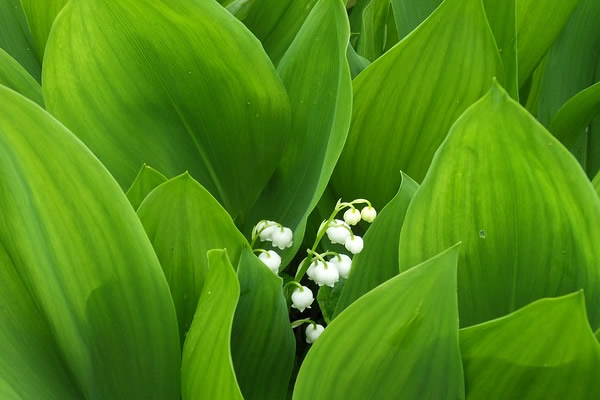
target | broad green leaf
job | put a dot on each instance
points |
(15, 37)
(262, 342)
(146, 181)
(175, 84)
(378, 261)
(596, 183)
(15, 77)
(545, 350)
(82, 256)
(538, 25)
(409, 13)
(356, 62)
(277, 22)
(398, 104)
(575, 115)
(502, 17)
(183, 222)
(371, 43)
(317, 77)
(525, 211)
(40, 16)
(399, 341)
(355, 18)
(207, 371)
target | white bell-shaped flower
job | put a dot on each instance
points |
(326, 274)
(352, 216)
(368, 214)
(313, 331)
(343, 263)
(338, 231)
(310, 272)
(282, 237)
(302, 298)
(271, 260)
(268, 231)
(354, 244)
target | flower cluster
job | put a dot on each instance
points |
(279, 236)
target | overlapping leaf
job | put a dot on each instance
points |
(409, 14)
(544, 351)
(398, 341)
(15, 77)
(400, 114)
(86, 311)
(178, 85)
(16, 39)
(372, 40)
(146, 181)
(262, 342)
(207, 371)
(525, 211)
(378, 262)
(184, 221)
(40, 16)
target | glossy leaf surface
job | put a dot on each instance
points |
(523, 208)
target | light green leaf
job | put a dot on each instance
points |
(596, 183)
(82, 255)
(15, 37)
(146, 181)
(207, 371)
(204, 97)
(545, 350)
(184, 221)
(262, 343)
(538, 25)
(397, 102)
(404, 334)
(525, 211)
(409, 13)
(15, 77)
(378, 261)
(575, 115)
(372, 40)
(40, 16)
(356, 62)
(316, 74)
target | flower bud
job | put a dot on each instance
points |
(271, 260)
(338, 231)
(310, 272)
(326, 274)
(313, 332)
(267, 232)
(354, 244)
(282, 238)
(352, 216)
(342, 263)
(368, 214)
(302, 298)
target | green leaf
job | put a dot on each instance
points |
(205, 97)
(378, 262)
(356, 62)
(15, 37)
(538, 25)
(207, 371)
(596, 183)
(276, 23)
(404, 334)
(575, 115)
(317, 77)
(409, 13)
(40, 17)
(82, 257)
(146, 181)
(502, 16)
(519, 202)
(372, 40)
(545, 350)
(15, 77)
(328, 298)
(397, 102)
(262, 343)
(184, 221)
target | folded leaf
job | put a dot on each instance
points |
(178, 85)
(146, 181)
(525, 211)
(545, 350)
(79, 254)
(378, 262)
(409, 13)
(397, 103)
(15, 77)
(207, 371)
(371, 43)
(404, 335)
(262, 342)
(184, 221)
(15, 37)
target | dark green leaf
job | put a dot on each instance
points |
(371, 43)
(15, 77)
(328, 298)
(409, 13)
(15, 37)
